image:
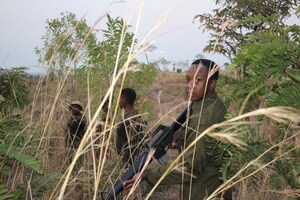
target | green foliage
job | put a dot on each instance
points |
(101, 58)
(14, 94)
(98, 59)
(228, 25)
(29, 161)
(289, 168)
(283, 171)
(264, 71)
(5, 194)
(17, 147)
(40, 183)
(141, 81)
(66, 41)
(12, 146)
(13, 89)
(268, 63)
(233, 158)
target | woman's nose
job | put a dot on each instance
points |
(190, 85)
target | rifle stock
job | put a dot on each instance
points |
(163, 136)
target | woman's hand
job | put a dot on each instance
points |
(174, 144)
(129, 183)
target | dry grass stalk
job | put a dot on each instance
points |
(279, 114)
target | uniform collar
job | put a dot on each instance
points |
(197, 105)
(126, 115)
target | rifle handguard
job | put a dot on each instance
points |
(132, 170)
(163, 136)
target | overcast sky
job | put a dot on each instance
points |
(22, 24)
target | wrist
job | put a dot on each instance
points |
(144, 176)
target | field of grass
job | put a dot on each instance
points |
(50, 120)
(258, 145)
(89, 171)
(98, 164)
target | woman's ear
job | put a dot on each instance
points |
(122, 101)
(212, 84)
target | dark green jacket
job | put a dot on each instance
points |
(130, 133)
(205, 173)
(76, 128)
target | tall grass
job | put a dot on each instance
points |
(95, 166)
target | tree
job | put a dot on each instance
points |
(111, 54)
(199, 56)
(272, 79)
(149, 48)
(264, 71)
(62, 42)
(17, 149)
(13, 89)
(102, 57)
(66, 42)
(70, 42)
(230, 24)
(273, 71)
(163, 64)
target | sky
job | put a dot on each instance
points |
(177, 38)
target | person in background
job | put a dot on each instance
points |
(130, 132)
(76, 126)
(104, 116)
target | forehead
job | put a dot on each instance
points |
(123, 96)
(74, 106)
(198, 70)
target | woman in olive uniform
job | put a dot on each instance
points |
(198, 167)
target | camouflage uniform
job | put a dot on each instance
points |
(205, 171)
(130, 133)
(76, 129)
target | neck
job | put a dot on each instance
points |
(209, 93)
(128, 108)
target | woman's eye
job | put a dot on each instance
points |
(197, 80)
(187, 80)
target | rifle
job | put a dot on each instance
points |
(163, 136)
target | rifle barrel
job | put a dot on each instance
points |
(138, 165)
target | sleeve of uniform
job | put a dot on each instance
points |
(196, 157)
(135, 134)
(174, 177)
(195, 160)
